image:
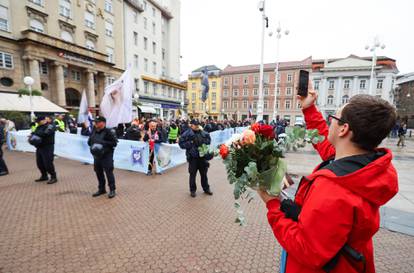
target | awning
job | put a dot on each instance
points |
(147, 109)
(12, 102)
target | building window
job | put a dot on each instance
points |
(236, 80)
(213, 106)
(153, 28)
(226, 81)
(213, 84)
(163, 54)
(108, 6)
(266, 91)
(245, 104)
(65, 72)
(109, 29)
(65, 35)
(225, 104)
(76, 75)
(266, 78)
(298, 105)
(277, 104)
(362, 84)
(145, 43)
(379, 84)
(255, 92)
(4, 18)
(225, 92)
(154, 67)
(5, 81)
(256, 79)
(288, 91)
(90, 22)
(213, 96)
(235, 104)
(90, 45)
(246, 80)
(64, 8)
(146, 65)
(146, 87)
(193, 86)
(289, 78)
(330, 100)
(278, 90)
(155, 89)
(6, 60)
(136, 61)
(37, 26)
(235, 92)
(135, 38)
(345, 99)
(316, 85)
(37, 2)
(331, 84)
(43, 68)
(154, 47)
(193, 106)
(110, 53)
(254, 104)
(193, 97)
(287, 104)
(136, 83)
(346, 84)
(265, 104)
(153, 12)
(245, 92)
(145, 22)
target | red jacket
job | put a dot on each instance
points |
(335, 210)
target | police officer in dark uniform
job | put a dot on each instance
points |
(190, 140)
(102, 143)
(43, 138)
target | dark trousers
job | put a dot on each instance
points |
(151, 161)
(201, 165)
(44, 160)
(105, 166)
(3, 166)
(172, 141)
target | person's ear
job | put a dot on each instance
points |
(345, 130)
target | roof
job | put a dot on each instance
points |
(306, 63)
(405, 78)
(208, 67)
(12, 102)
(369, 58)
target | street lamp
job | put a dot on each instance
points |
(278, 36)
(265, 19)
(373, 47)
(29, 81)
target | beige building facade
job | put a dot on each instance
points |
(67, 46)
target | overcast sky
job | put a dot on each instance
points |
(225, 32)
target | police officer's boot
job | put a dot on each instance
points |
(111, 194)
(52, 180)
(42, 178)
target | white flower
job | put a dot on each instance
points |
(234, 138)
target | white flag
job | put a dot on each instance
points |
(83, 109)
(116, 105)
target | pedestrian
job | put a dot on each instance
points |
(402, 131)
(60, 123)
(3, 167)
(173, 133)
(102, 143)
(191, 140)
(153, 136)
(133, 132)
(335, 214)
(43, 138)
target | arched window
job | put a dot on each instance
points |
(330, 100)
(66, 36)
(72, 97)
(345, 99)
(36, 25)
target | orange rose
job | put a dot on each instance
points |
(248, 137)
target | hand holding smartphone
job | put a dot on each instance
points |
(303, 83)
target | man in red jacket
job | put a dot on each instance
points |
(330, 225)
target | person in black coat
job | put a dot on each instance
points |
(3, 167)
(102, 143)
(190, 140)
(43, 138)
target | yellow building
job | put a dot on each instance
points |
(211, 107)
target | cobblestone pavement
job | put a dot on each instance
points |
(152, 225)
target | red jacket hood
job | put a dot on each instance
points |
(377, 182)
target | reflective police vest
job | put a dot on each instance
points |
(60, 124)
(33, 127)
(173, 133)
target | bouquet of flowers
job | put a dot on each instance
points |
(254, 160)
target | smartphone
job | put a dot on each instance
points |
(303, 83)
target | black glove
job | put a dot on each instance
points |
(291, 209)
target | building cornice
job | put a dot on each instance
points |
(164, 82)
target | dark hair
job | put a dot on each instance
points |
(370, 119)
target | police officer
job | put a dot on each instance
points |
(102, 143)
(60, 123)
(190, 140)
(43, 138)
(173, 133)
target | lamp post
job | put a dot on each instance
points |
(29, 81)
(278, 36)
(261, 7)
(373, 47)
